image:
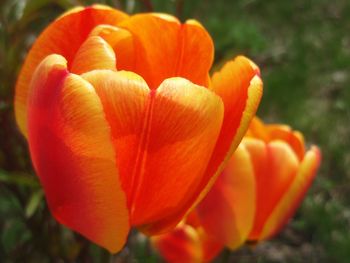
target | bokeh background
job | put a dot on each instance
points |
(303, 50)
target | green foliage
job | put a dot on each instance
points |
(303, 49)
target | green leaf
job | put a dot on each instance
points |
(35, 5)
(10, 205)
(34, 203)
(19, 179)
(14, 234)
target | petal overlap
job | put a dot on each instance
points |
(73, 156)
(271, 173)
(125, 126)
(94, 53)
(275, 166)
(227, 211)
(187, 244)
(64, 36)
(163, 126)
(240, 87)
(183, 48)
(121, 41)
(288, 204)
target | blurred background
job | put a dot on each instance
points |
(303, 50)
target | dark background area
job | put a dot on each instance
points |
(303, 50)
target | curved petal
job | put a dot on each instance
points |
(70, 145)
(154, 133)
(182, 245)
(124, 97)
(75, 26)
(275, 166)
(197, 53)
(240, 88)
(292, 198)
(94, 53)
(122, 43)
(210, 246)
(183, 128)
(180, 51)
(270, 132)
(227, 212)
(257, 129)
(294, 138)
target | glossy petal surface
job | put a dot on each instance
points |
(121, 41)
(94, 53)
(74, 26)
(293, 138)
(185, 122)
(275, 166)
(154, 143)
(124, 97)
(72, 153)
(292, 198)
(181, 50)
(227, 211)
(269, 132)
(240, 89)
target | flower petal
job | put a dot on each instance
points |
(257, 129)
(94, 53)
(124, 97)
(75, 26)
(227, 212)
(240, 88)
(181, 245)
(154, 133)
(292, 198)
(294, 138)
(122, 43)
(70, 145)
(180, 51)
(210, 246)
(270, 132)
(183, 128)
(275, 166)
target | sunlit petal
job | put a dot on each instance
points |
(94, 53)
(74, 26)
(184, 50)
(227, 212)
(291, 199)
(275, 167)
(71, 149)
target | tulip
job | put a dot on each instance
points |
(261, 187)
(187, 243)
(125, 127)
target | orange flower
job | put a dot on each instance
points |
(187, 243)
(125, 128)
(261, 187)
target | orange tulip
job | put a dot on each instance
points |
(187, 243)
(125, 128)
(261, 187)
